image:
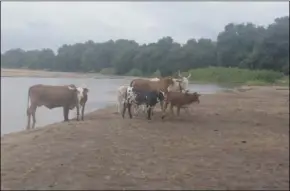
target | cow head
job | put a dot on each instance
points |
(192, 97)
(184, 81)
(85, 91)
(161, 96)
(72, 87)
(82, 92)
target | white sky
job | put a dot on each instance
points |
(34, 25)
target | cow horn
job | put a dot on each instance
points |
(179, 74)
(189, 76)
(71, 87)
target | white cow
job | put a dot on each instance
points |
(121, 98)
(121, 95)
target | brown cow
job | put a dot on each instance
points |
(157, 86)
(52, 97)
(148, 85)
(179, 100)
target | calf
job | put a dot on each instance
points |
(179, 100)
(138, 97)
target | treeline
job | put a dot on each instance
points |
(238, 45)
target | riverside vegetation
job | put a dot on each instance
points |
(243, 53)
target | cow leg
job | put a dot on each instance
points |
(171, 109)
(129, 110)
(149, 113)
(144, 108)
(124, 109)
(161, 105)
(187, 110)
(135, 109)
(65, 113)
(83, 111)
(178, 111)
(31, 111)
(78, 111)
(118, 107)
(28, 119)
(119, 103)
(33, 118)
(164, 110)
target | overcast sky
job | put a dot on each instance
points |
(34, 25)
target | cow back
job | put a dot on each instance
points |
(53, 96)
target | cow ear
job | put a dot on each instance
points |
(72, 87)
(197, 94)
(179, 74)
(86, 90)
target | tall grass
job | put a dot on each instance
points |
(108, 71)
(235, 75)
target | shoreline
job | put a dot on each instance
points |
(231, 140)
(110, 106)
(14, 73)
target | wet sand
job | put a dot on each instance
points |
(231, 140)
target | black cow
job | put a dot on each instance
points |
(139, 97)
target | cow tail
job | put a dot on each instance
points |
(126, 94)
(28, 102)
(131, 84)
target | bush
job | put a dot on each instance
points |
(234, 75)
(134, 72)
(157, 74)
(108, 71)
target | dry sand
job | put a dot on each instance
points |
(41, 73)
(234, 140)
(50, 74)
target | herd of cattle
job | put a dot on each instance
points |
(140, 92)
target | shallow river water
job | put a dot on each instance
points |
(102, 92)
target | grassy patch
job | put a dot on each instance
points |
(108, 71)
(236, 76)
(134, 72)
(256, 83)
(283, 81)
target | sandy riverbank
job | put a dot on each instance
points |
(49, 74)
(233, 140)
(40, 73)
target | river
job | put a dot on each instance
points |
(102, 92)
